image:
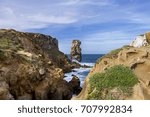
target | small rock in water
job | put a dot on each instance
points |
(74, 85)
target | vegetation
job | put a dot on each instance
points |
(5, 43)
(118, 76)
(113, 53)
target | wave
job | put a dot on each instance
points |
(81, 73)
(84, 63)
(88, 64)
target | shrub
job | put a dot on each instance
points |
(117, 76)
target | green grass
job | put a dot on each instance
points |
(119, 76)
(5, 43)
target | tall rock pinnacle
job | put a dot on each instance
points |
(76, 50)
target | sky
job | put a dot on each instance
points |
(101, 25)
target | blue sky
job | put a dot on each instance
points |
(101, 25)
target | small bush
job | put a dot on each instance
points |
(118, 76)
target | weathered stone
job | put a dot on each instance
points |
(74, 85)
(141, 40)
(31, 67)
(148, 37)
(76, 50)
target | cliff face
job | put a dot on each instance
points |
(32, 67)
(35, 43)
(120, 74)
(76, 50)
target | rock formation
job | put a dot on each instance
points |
(74, 85)
(136, 59)
(141, 40)
(32, 67)
(76, 51)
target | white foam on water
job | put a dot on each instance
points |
(88, 64)
(81, 73)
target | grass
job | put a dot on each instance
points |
(5, 43)
(9, 44)
(119, 76)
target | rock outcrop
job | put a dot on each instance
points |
(141, 40)
(76, 51)
(136, 59)
(74, 85)
(32, 67)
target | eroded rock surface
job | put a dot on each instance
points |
(76, 50)
(141, 40)
(137, 59)
(32, 67)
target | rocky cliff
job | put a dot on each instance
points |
(32, 67)
(76, 50)
(121, 74)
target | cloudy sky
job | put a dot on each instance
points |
(101, 25)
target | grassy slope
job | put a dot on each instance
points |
(118, 76)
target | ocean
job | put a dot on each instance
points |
(81, 73)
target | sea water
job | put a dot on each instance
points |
(81, 73)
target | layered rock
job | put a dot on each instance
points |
(76, 50)
(32, 67)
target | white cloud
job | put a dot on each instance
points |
(24, 15)
(24, 20)
(27, 14)
(51, 19)
(86, 2)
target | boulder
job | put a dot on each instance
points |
(141, 40)
(74, 85)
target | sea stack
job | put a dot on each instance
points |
(76, 50)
